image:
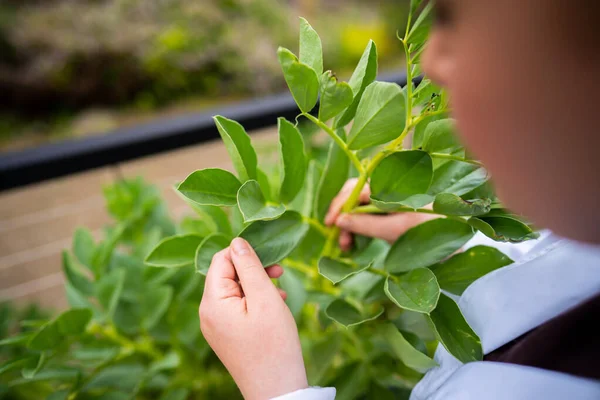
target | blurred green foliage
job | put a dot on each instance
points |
(59, 59)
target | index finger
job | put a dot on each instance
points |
(335, 209)
(221, 277)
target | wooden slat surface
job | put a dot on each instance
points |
(37, 222)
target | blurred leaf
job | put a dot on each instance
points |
(335, 96)
(215, 217)
(238, 146)
(293, 160)
(302, 80)
(123, 377)
(293, 284)
(175, 394)
(454, 332)
(194, 227)
(457, 273)
(84, 246)
(403, 350)
(427, 244)
(274, 240)
(175, 252)
(364, 74)
(334, 176)
(351, 381)
(416, 290)
(75, 277)
(451, 204)
(347, 315)
(29, 373)
(207, 250)
(401, 179)
(265, 185)
(321, 355)
(156, 305)
(380, 116)
(211, 186)
(311, 186)
(109, 289)
(336, 270)
(50, 335)
(254, 206)
(311, 49)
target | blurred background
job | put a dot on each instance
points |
(74, 68)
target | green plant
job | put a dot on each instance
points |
(369, 319)
(381, 295)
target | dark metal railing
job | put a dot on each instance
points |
(77, 155)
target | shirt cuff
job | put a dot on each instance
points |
(313, 393)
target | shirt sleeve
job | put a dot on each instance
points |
(314, 393)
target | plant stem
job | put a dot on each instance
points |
(110, 332)
(409, 78)
(300, 266)
(377, 272)
(318, 226)
(338, 140)
(455, 158)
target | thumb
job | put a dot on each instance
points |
(251, 273)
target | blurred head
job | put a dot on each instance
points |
(524, 82)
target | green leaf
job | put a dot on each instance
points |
(454, 332)
(75, 276)
(207, 250)
(254, 206)
(313, 179)
(293, 284)
(74, 321)
(265, 184)
(311, 49)
(351, 381)
(274, 240)
(401, 179)
(503, 228)
(403, 350)
(420, 29)
(84, 246)
(427, 244)
(420, 128)
(416, 290)
(347, 315)
(440, 137)
(78, 300)
(334, 176)
(380, 116)
(117, 377)
(302, 80)
(320, 358)
(335, 96)
(156, 305)
(238, 146)
(458, 178)
(191, 226)
(337, 271)
(53, 333)
(451, 204)
(211, 186)
(457, 273)
(364, 74)
(215, 217)
(293, 159)
(175, 394)
(110, 288)
(174, 252)
(10, 365)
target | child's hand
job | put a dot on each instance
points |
(386, 227)
(245, 320)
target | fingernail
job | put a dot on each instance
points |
(240, 246)
(343, 221)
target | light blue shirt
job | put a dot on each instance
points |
(552, 276)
